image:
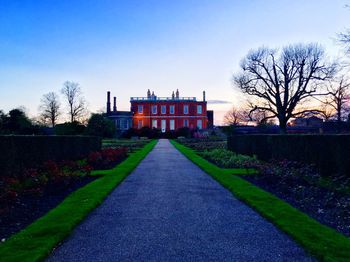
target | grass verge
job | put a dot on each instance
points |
(35, 242)
(321, 241)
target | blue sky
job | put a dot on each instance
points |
(129, 46)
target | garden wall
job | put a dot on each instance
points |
(330, 153)
(19, 152)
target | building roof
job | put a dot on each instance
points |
(156, 98)
(120, 114)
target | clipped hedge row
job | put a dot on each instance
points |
(330, 153)
(19, 152)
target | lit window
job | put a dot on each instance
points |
(172, 109)
(140, 124)
(185, 122)
(140, 109)
(154, 110)
(172, 124)
(186, 109)
(163, 109)
(154, 123)
(199, 109)
(199, 124)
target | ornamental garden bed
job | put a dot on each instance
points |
(326, 199)
(26, 197)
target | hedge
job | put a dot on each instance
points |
(19, 152)
(330, 153)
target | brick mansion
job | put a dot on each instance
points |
(164, 113)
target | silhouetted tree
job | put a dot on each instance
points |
(339, 97)
(236, 117)
(75, 100)
(98, 125)
(50, 108)
(325, 112)
(2, 121)
(281, 80)
(344, 38)
(18, 123)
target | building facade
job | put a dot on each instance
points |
(169, 113)
(121, 119)
(164, 113)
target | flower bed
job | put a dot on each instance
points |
(228, 159)
(328, 201)
(107, 158)
(28, 196)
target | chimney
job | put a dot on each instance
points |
(108, 102)
(114, 104)
(203, 96)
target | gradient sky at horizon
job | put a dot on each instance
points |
(130, 46)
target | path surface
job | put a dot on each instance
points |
(170, 210)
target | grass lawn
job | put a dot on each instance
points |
(319, 240)
(35, 242)
(132, 144)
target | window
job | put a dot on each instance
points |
(163, 109)
(140, 109)
(185, 122)
(199, 124)
(199, 109)
(186, 109)
(154, 123)
(124, 124)
(154, 110)
(172, 124)
(140, 124)
(172, 109)
(163, 125)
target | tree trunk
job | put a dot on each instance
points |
(339, 116)
(283, 126)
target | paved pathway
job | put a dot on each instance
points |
(170, 210)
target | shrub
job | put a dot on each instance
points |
(99, 125)
(227, 159)
(22, 152)
(106, 158)
(329, 153)
(69, 129)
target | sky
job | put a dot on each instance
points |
(129, 46)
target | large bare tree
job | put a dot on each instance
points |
(50, 108)
(339, 97)
(281, 80)
(75, 100)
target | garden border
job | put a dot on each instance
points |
(35, 242)
(321, 241)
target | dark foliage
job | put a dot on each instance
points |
(20, 152)
(101, 126)
(70, 129)
(330, 153)
(326, 200)
(107, 158)
(16, 122)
